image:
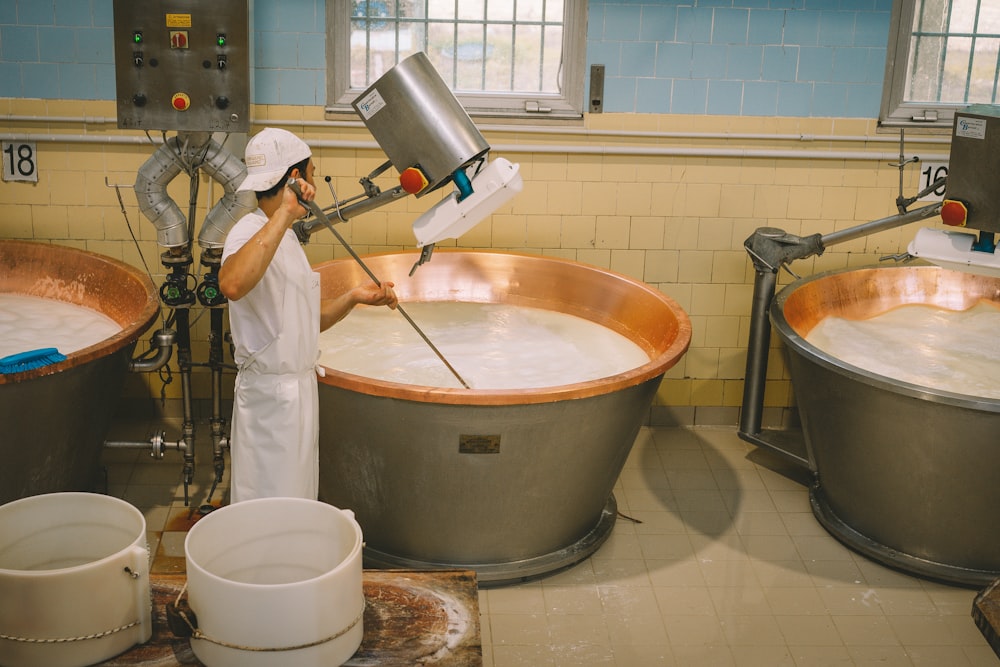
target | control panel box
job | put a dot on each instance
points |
(183, 65)
(974, 166)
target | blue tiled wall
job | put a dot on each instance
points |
(720, 57)
(741, 57)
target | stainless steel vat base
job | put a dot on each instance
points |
(55, 425)
(892, 557)
(511, 572)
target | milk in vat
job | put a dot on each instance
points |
(30, 323)
(496, 346)
(956, 351)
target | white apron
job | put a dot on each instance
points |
(275, 428)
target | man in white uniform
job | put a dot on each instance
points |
(275, 314)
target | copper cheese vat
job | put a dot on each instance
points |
(905, 474)
(55, 418)
(512, 484)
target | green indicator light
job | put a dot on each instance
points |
(137, 37)
(221, 40)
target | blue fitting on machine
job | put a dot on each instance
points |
(985, 242)
(463, 184)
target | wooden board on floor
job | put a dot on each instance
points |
(411, 617)
(986, 612)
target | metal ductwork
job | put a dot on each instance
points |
(229, 171)
(169, 160)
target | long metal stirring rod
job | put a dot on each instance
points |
(314, 208)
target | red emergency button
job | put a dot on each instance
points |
(413, 180)
(954, 213)
(180, 101)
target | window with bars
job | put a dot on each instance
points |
(500, 57)
(943, 55)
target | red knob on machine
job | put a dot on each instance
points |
(180, 101)
(954, 213)
(413, 180)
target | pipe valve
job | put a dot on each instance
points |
(209, 293)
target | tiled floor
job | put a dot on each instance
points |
(723, 565)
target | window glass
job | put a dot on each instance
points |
(500, 57)
(943, 55)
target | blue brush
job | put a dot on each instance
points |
(26, 361)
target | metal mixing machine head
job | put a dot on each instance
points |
(972, 197)
(431, 140)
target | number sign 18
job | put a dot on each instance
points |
(20, 161)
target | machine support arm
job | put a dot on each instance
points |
(306, 228)
(769, 249)
(881, 225)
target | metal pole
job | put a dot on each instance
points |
(314, 208)
(757, 352)
(883, 224)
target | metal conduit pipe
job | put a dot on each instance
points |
(584, 149)
(163, 342)
(751, 136)
(579, 149)
(708, 152)
(524, 129)
(646, 134)
(157, 443)
(562, 131)
(85, 120)
(79, 139)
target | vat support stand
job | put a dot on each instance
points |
(770, 249)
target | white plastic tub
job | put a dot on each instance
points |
(74, 580)
(276, 582)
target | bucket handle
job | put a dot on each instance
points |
(184, 623)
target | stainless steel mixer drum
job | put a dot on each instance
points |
(906, 475)
(512, 484)
(417, 121)
(54, 419)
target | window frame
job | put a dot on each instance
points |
(566, 105)
(895, 112)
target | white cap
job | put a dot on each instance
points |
(269, 154)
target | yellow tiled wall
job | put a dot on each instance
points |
(675, 221)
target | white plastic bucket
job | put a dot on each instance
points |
(74, 580)
(276, 582)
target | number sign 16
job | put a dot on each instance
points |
(930, 172)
